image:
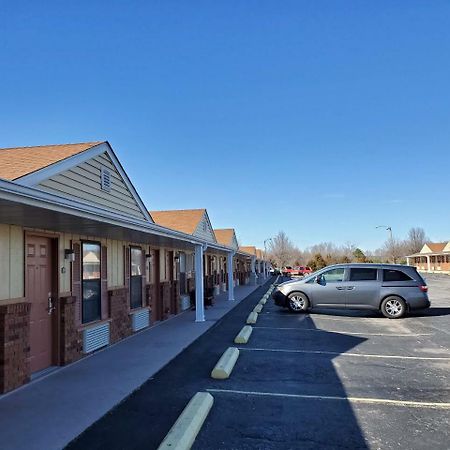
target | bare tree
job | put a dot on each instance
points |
(415, 240)
(281, 250)
(395, 249)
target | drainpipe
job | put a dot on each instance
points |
(230, 276)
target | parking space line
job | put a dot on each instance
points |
(362, 400)
(361, 355)
(344, 332)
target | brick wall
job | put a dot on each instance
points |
(14, 345)
(71, 344)
(120, 314)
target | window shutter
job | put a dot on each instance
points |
(76, 281)
(144, 279)
(126, 252)
(104, 282)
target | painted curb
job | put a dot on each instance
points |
(184, 431)
(252, 317)
(258, 308)
(263, 301)
(226, 363)
(244, 335)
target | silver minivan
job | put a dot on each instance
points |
(390, 288)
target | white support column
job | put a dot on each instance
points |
(230, 276)
(407, 261)
(253, 277)
(199, 288)
(428, 264)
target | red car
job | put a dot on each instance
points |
(304, 270)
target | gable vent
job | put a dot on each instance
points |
(106, 179)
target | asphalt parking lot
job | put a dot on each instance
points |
(321, 380)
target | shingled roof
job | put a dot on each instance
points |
(17, 162)
(436, 246)
(225, 236)
(184, 220)
(250, 250)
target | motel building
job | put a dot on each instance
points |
(83, 264)
(434, 257)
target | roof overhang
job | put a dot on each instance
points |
(32, 208)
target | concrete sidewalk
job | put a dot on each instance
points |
(51, 411)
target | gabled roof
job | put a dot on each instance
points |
(225, 236)
(249, 249)
(433, 247)
(184, 220)
(17, 162)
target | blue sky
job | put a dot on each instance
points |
(319, 118)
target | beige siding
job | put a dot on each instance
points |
(204, 230)
(83, 183)
(11, 262)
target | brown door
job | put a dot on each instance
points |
(39, 291)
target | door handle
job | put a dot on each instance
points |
(350, 288)
(340, 288)
(50, 308)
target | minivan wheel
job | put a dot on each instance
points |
(298, 302)
(393, 307)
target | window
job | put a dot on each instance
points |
(333, 275)
(136, 271)
(183, 280)
(91, 281)
(395, 275)
(363, 274)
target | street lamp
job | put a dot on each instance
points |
(265, 246)
(389, 228)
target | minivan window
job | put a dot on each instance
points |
(395, 275)
(363, 274)
(333, 275)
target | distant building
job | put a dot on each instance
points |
(434, 257)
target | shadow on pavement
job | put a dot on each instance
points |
(239, 421)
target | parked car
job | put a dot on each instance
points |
(391, 289)
(288, 271)
(304, 270)
(274, 271)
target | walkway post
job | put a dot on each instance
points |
(199, 288)
(230, 257)
(428, 264)
(253, 276)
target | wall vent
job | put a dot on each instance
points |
(140, 319)
(95, 337)
(106, 179)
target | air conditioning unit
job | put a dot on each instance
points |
(140, 319)
(95, 337)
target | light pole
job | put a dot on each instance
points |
(389, 228)
(265, 249)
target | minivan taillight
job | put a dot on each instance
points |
(423, 288)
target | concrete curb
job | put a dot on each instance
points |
(263, 301)
(225, 365)
(184, 431)
(258, 308)
(252, 318)
(244, 335)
